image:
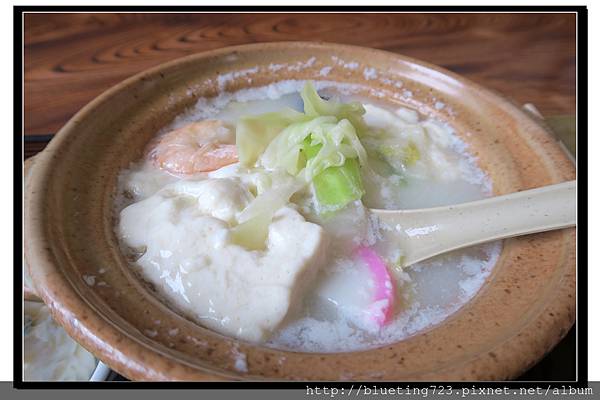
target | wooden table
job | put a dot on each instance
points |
(72, 58)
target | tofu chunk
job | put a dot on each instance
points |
(191, 260)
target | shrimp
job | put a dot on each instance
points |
(196, 147)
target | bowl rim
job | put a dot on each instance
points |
(141, 368)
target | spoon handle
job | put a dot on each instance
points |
(424, 233)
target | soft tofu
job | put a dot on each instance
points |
(190, 259)
(432, 138)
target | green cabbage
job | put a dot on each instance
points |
(252, 234)
(411, 154)
(315, 106)
(271, 200)
(337, 142)
(335, 184)
(399, 156)
(321, 146)
(253, 222)
(283, 153)
(254, 133)
(336, 187)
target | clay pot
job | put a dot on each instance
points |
(526, 306)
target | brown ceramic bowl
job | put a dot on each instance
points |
(526, 306)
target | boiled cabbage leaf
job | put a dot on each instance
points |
(315, 105)
(254, 133)
(320, 146)
(253, 222)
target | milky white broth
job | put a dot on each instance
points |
(326, 317)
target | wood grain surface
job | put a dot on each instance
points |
(72, 58)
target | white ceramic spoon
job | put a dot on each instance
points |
(424, 233)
